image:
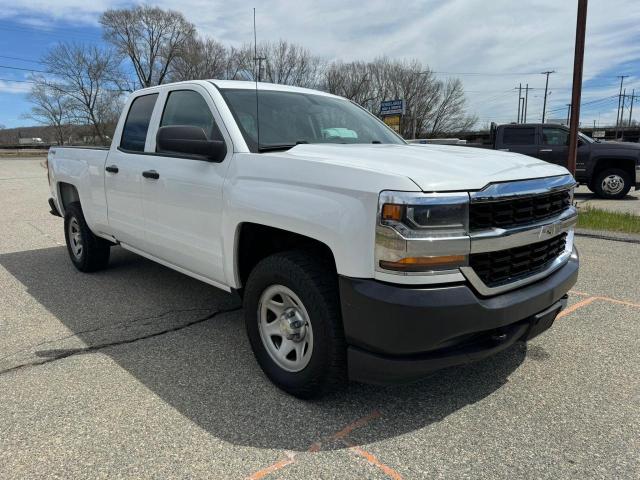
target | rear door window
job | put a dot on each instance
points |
(134, 133)
(519, 136)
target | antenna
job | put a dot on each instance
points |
(255, 74)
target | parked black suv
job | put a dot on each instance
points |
(609, 169)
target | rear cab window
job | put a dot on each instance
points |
(136, 126)
(519, 136)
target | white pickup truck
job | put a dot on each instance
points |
(357, 255)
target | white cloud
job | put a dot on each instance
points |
(14, 87)
(502, 36)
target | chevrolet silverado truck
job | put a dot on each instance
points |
(608, 169)
(356, 255)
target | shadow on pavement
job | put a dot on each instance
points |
(206, 370)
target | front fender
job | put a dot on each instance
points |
(329, 204)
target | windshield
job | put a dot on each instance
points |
(586, 138)
(291, 118)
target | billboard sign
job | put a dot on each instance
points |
(392, 107)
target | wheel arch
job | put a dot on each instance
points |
(255, 242)
(602, 163)
(67, 193)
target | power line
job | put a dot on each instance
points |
(20, 59)
(49, 31)
(488, 74)
(23, 69)
(582, 104)
(17, 81)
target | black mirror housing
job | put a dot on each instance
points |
(191, 141)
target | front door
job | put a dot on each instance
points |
(555, 146)
(183, 204)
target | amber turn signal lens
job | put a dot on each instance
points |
(419, 264)
(391, 211)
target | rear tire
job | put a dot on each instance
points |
(88, 253)
(612, 183)
(291, 287)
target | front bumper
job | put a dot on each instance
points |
(397, 334)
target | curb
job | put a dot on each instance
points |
(611, 236)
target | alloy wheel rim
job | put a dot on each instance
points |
(285, 328)
(613, 184)
(75, 238)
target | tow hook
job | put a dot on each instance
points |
(499, 337)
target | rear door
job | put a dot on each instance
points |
(555, 145)
(123, 168)
(183, 205)
(519, 138)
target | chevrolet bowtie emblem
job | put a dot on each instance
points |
(547, 231)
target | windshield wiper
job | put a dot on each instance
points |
(272, 148)
(283, 146)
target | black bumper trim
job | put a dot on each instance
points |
(398, 334)
(54, 209)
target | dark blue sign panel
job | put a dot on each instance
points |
(392, 107)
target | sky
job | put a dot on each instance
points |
(491, 46)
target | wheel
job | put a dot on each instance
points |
(88, 252)
(292, 317)
(612, 183)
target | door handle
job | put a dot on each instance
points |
(546, 149)
(112, 169)
(151, 174)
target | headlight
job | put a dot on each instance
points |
(422, 232)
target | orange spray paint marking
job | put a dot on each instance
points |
(576, 306)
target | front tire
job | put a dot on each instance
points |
(88, 253)
(612, 183)
(293, 321)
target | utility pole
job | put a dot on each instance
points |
(633, 95)
(526, 102)
(546, 88)
(568, 113)
(519, 101)
(621, 77)
(624, 97)
(576, 93)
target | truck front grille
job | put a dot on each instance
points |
(504, 266)
(518, 211)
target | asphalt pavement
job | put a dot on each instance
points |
(629, 204)
(141, 372)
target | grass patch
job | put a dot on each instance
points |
(597, 219)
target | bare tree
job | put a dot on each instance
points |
(350, 80)
(200, 59)
(150, 37)
(289, 64)
(88, 78)
(449, 116)
(51, 107)
(432, 106)
(280, 62)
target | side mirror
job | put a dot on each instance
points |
(189, 140)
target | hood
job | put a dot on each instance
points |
(611, 146)
(432, 167)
